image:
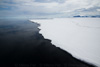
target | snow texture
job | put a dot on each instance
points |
(78, 36)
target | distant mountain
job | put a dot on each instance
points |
(96, 16)
(88, 16)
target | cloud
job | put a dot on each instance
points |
(98, 10)
(48, 1)
(49, 8)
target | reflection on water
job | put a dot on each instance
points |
(17, 37)
(15, 31)
(21, 43)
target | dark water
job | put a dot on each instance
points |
(21, 45)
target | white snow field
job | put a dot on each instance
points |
(78, 36)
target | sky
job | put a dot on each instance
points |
(48, 8)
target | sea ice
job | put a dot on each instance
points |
(78, 36)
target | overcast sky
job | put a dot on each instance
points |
(48, 8)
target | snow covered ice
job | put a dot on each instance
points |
(78, 36)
